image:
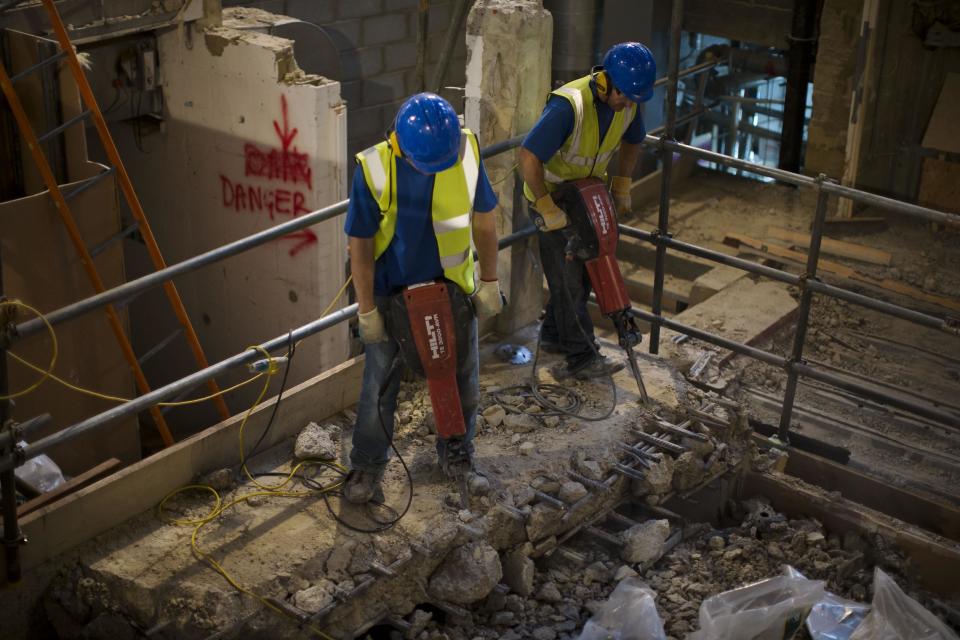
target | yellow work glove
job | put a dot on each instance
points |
(488, 300)
(550, 216)
(372, 328)
(620, 188)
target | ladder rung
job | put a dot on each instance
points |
(160, 346)
(10, 4)
(100, 248)
(89, 183)
(42, 63)
(69, 123)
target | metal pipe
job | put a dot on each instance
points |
(9, 436)
(449, 42)
(149, 399)
(500, 147)
(872, 199)
(803, 313)
(802, 39)
(689, 71)
(193, 380)
(191, 264)
(900, 402)
(817, 286)
(663, 220)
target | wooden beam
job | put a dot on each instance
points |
(935, 560)
(860, 96)
(61, 526)
(87, 477)
(834, 247)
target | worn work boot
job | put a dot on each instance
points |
(363, 485)
(599, 366)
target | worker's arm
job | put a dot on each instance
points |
(629, 153)
(361, 266)
(485, 239)
(532, 171)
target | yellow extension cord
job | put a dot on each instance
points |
(219, 508)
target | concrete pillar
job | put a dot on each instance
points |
(508, 79)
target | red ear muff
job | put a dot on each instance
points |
(394, 143)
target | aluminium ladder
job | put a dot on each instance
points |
(61, 199)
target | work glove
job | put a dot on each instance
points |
(488, 300)
(549, 217)
(620, 188)
(372, 328)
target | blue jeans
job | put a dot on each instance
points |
(371, 446)
(567, 321)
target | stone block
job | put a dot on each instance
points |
(643, 543)
(361, 63)
(519, 572)
(713, 281)
(312, 11)
(345, 34)
(386, 87)
(385, 28)
(400, 55)
(359, 8)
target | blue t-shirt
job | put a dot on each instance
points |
(412, 255)
(556, 124)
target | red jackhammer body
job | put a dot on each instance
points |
(592, 236)
(426, 320)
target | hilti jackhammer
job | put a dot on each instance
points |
(429, 319)
(592, 237)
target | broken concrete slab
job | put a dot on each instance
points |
(714, 281)
(643, 542)
(467, 575)
(519, 572)
(318, 441)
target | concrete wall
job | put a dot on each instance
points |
(248, 141)
(832, 84)
(377, 40)
(765, 22)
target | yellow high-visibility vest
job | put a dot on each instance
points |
(583, 154)
(451, 207)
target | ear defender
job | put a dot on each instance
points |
(394, 143)
(603, 83)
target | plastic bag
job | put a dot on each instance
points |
(772, 609)
(897, 616)
(835, 618)
(40, 472)
(629, 614)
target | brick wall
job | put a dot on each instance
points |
(377, 40)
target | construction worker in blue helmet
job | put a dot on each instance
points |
(417, 199)
(582, 125)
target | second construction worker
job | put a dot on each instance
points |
(582, 125)
(417, 199)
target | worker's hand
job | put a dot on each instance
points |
(620, 188)
(550, 217)
(488, 301)
(372, 328)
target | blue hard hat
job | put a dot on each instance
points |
(428, 132)
(632, 70)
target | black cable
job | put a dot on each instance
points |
(535, 387)
(390, 523)
(291, 350)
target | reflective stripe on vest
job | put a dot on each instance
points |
(583, 154)
(451, 206)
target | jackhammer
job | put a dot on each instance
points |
(592, 236)
(428, 321)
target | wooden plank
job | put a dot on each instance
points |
(934, 516)
(861, 95)
(943, 130)
(87, 477)
(61, 526)
(885, 284)
(834, 247)
(934, 559)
